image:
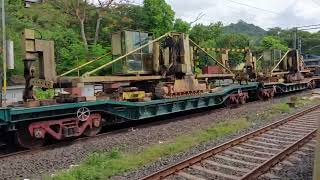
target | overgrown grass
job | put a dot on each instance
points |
(280, 108)
(303, 101)
(104, 165)
(41, 94)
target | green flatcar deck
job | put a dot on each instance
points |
(142, 110)
(122, 109)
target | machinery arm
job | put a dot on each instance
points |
(219, 63)
(285, 55)
(87, 63)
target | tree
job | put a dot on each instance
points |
(160, 16)
(80, 9)
(77, 8)
(103, 7)
(240, 41)
(125, 16)
(276, 31)
(181, 26)
(271, 42)
(242, 27)
(201, 33)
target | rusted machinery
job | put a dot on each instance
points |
(146, 68)
(141, 68)
(288, 67)
(160, 72)
(39, 64)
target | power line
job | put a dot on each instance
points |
(243, 4)
(308, 26)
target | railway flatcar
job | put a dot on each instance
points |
(150, 78)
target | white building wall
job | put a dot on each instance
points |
(15, 93)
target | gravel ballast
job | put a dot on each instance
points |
(36, 165)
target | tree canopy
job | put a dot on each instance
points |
(159, 16)
(82, 30)
(271, 42)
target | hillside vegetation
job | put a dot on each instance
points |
(81, 31)
(245, 28)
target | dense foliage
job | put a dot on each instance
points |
(81, 31)
(245, 28)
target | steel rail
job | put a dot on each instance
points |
(258, 171)
(171, 170)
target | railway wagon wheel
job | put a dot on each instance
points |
(265, 95)
(95, 129)
(242, 100)
(313, 84)
(227, 103)
(231, 103)
(260, 95)
(24, 139)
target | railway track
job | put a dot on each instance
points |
(250, 155)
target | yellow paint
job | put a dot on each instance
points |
(134, 95)
(5, 87)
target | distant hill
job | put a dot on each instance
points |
(244, 28)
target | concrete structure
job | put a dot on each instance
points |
(29, 2)
(312, 60)
(15, 93)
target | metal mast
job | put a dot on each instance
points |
(4, 50)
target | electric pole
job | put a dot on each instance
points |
(4, 51)
(295, 38)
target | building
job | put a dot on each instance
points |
(311, 60)
(29, 2)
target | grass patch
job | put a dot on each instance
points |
(106, 164)
(44, 94)
(303, 101)
(280, 108)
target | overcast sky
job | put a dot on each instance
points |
(282, 13)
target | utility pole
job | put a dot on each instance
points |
(300, 44)
(295, 38)
(4, 51)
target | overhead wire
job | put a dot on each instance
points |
(306, 27)
(243, 4)
(309, 28)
